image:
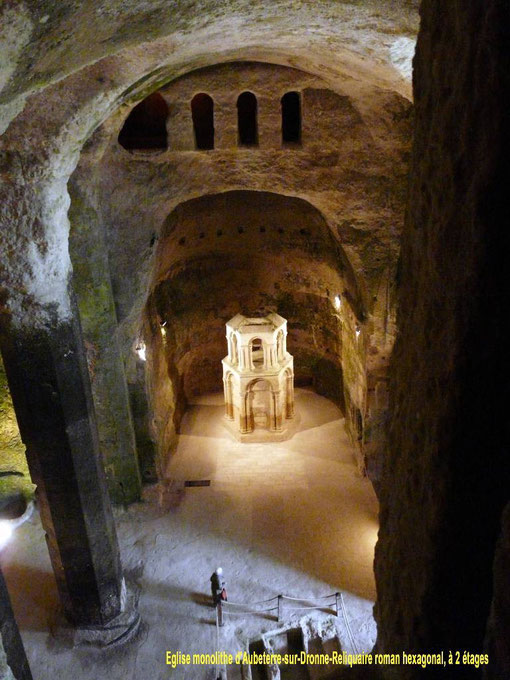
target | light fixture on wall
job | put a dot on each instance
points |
(162, 328)
(358, 331)
(140, 349)
(337, 302)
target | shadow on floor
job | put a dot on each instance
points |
(33, 594)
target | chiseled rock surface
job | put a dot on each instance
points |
(78, 65)
(208, 234)
(43, 42)
(447, 475)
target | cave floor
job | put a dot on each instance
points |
(293, 518)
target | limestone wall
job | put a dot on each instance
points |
(349, 174)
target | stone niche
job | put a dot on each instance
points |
(258, 378)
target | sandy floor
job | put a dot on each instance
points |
(290, 518)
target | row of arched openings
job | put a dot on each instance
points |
(145, 127)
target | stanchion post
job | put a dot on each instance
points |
(280, 608)
(219, 610)
(337, 602)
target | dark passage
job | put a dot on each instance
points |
(291, 117)
(247, 119)
(145, 127)
(202, 112)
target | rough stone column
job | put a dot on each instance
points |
(13, 660)
(229, 406)
(91, 282)
(276, 416)
(48, 379)
(245, 424)
(446, 479)
(289, 396)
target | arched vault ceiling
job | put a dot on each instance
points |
(111, 45)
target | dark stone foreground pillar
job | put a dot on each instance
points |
(446, 479)
(12, 652)
(48, 378)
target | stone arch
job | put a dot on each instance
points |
(207, 202)
(257, 359)
(259, 405)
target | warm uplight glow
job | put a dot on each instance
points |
(5, 533)
(141, 351)
(358, 331)
(338, 301)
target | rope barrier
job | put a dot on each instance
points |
(339, 598)
(252, 607)
(261, 611)
(347, 625)
(317, 606)
(307, 599)
(250, 604)
(241, 604)
(253, 611)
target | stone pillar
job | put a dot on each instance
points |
(289, 394)
(266, 353)
(229, 405)
(91, 282)
(245, 418)
(13, 660)
(498, 630)
(225, 395)
(244, 359)
(235, 350)
(276, 416)
(446, 476)
(49, 382)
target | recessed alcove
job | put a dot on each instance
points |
(145, 127)
(289, 273)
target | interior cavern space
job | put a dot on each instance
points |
(168, 170)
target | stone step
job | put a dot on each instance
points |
(318, 645)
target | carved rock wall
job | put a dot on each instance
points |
(446, 480)
(221, 252)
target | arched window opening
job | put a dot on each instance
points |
(259, 405)
(202, 113)
(145, 127)
(291, 118)
(234, 348)
(257, 353)
(247, 119)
